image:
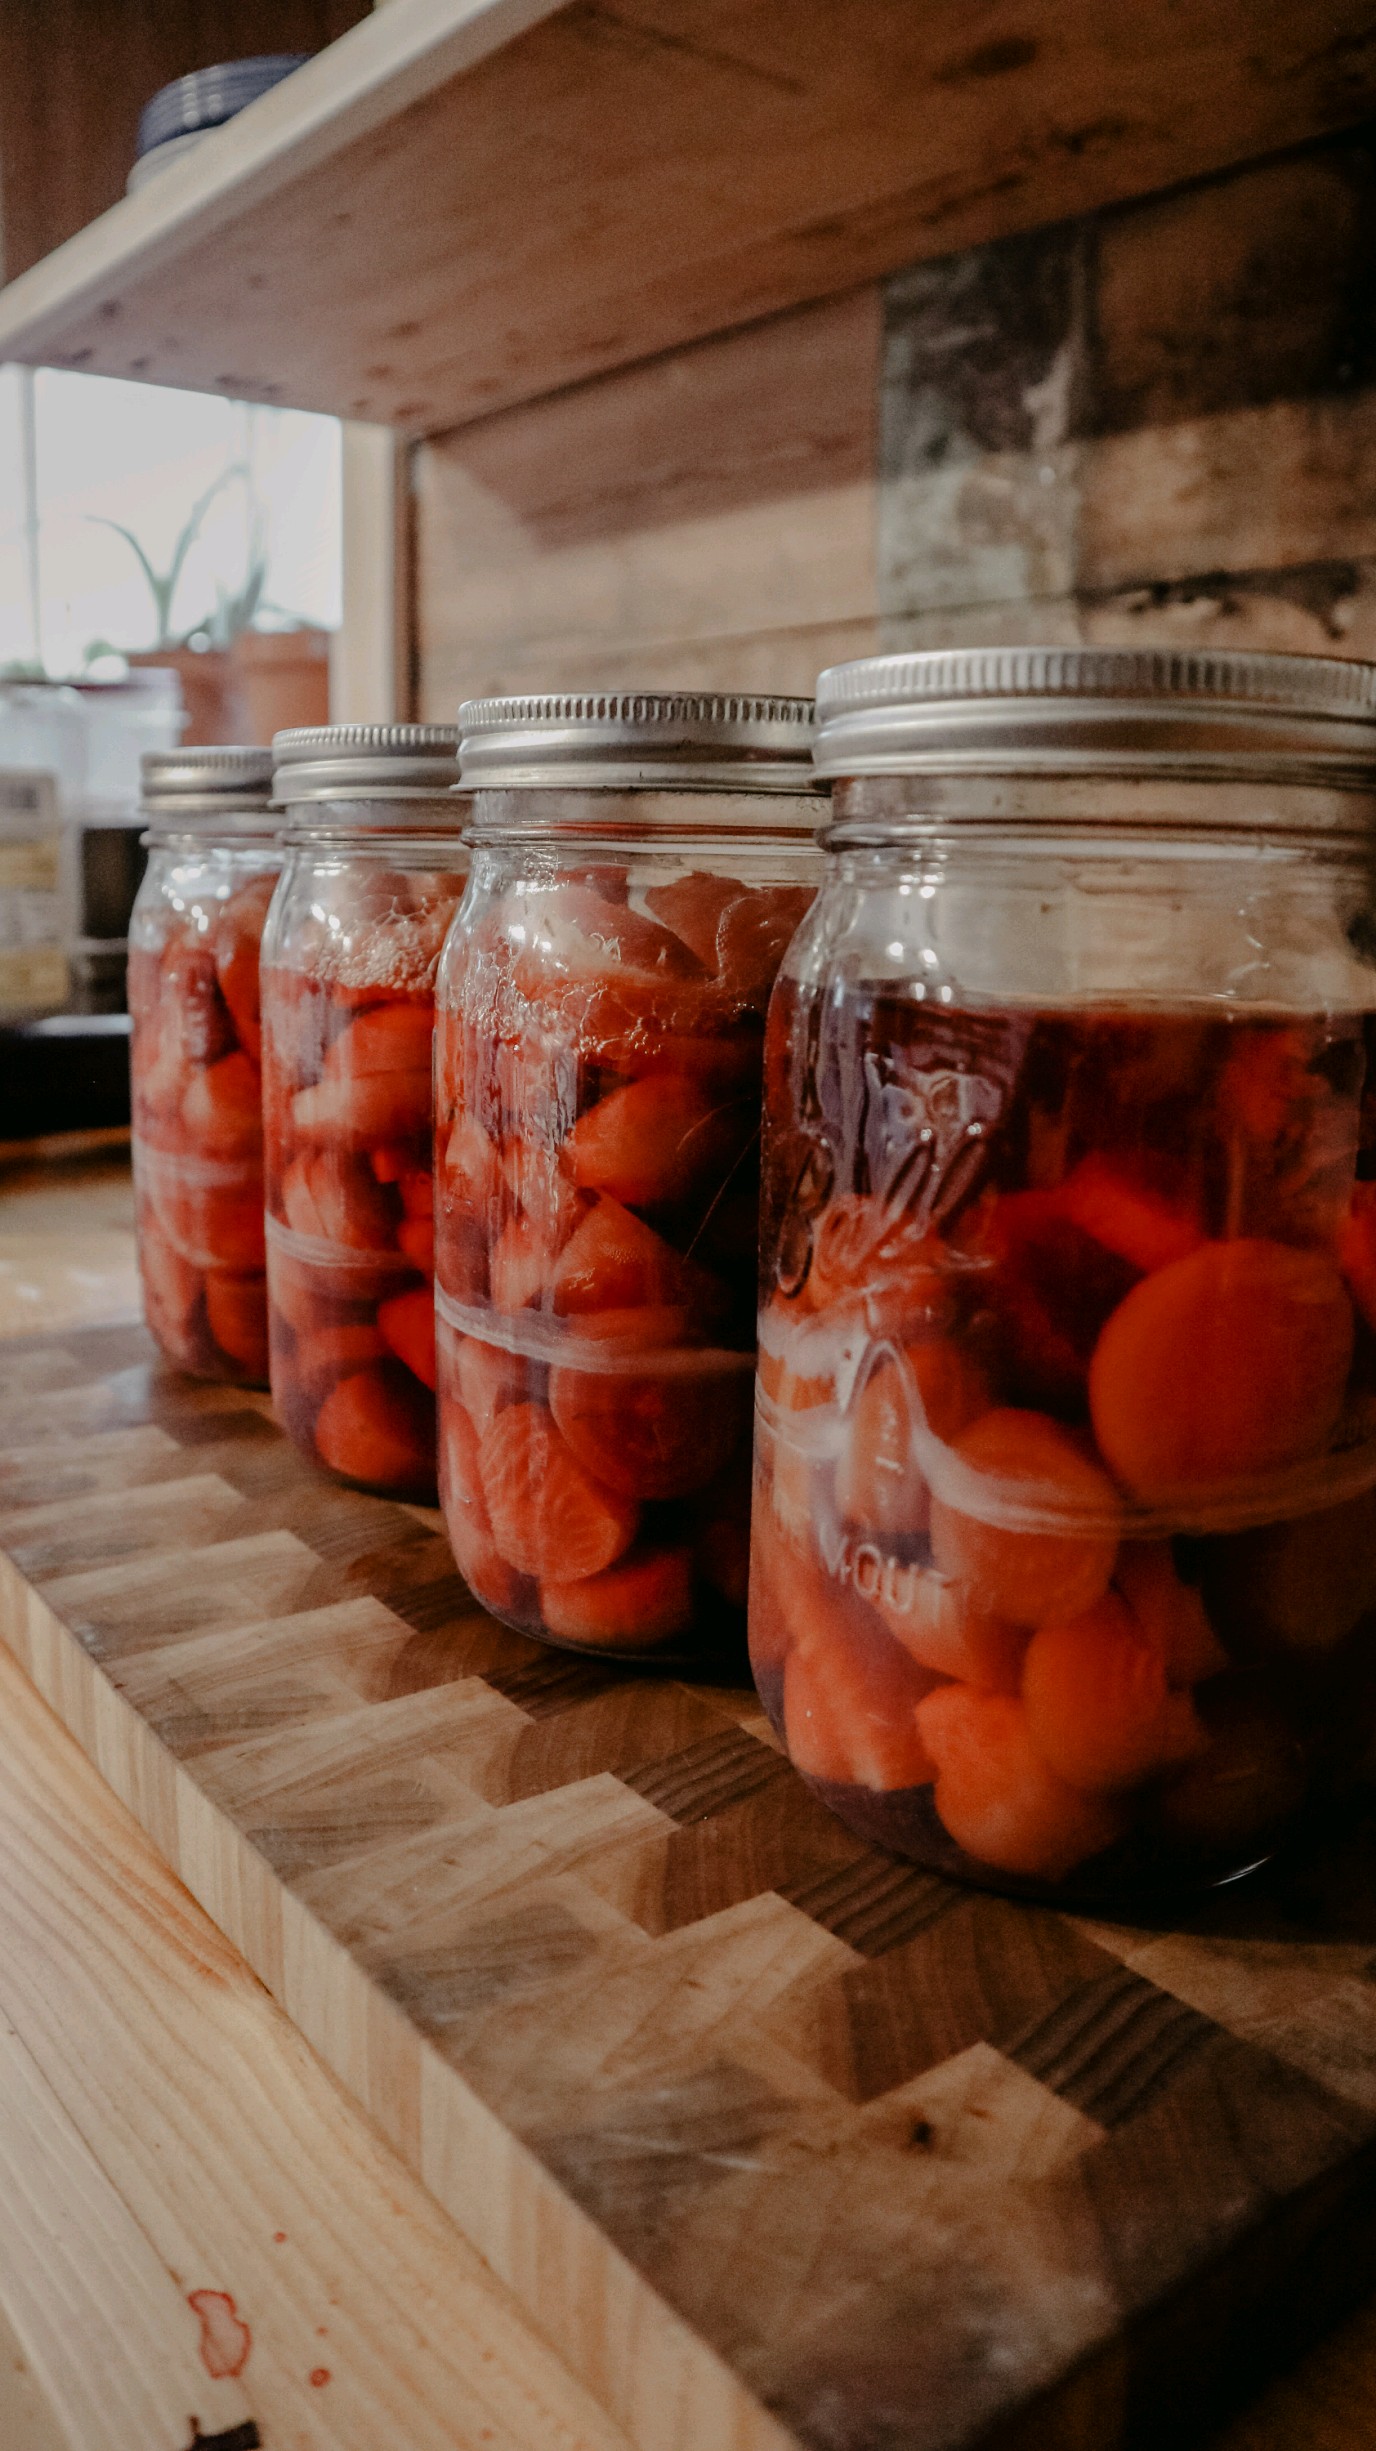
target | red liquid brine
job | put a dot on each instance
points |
(196, 1096)
(598, 1109)
(1064, 1541)
(347, 1076)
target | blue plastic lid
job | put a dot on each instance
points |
(210, 96)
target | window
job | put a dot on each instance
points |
(250, 496)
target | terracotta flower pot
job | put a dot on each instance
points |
(211, 692)
(268, 681)
(283, 679)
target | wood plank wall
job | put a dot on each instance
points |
(708, 516)
(74, 75)
(1154, 423)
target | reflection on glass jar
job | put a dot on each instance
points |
(1064, 1555)
(639, 867)
(372, 877)
(195, 1057)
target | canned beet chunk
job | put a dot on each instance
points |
(1063, 1571)
(639, 866)
(373, 874)
(195, 1057)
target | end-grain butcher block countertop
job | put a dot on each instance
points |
(777, 2140)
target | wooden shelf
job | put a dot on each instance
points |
(462, 204)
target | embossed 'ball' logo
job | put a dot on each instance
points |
(927, 1133)
(810, 1189)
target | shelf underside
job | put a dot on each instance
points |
(463, 204)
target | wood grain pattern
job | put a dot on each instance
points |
(781, 2139)
(210, 2147)
(1150, 426)
(28, 2421)
(370, 652)
(460, 207)
(74, 2264)
(705, 521)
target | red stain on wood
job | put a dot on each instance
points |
(319, 2375)
(225, 2338)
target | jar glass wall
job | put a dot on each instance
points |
(368, 889)
(1064, 1557)
(195, 1056)
(599, 1048)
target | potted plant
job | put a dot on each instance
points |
(239, 683)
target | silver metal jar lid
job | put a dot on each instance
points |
(370, 761)
(208, 789)
(637, 740)
(1090, 710)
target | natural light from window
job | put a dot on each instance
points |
(242, 501)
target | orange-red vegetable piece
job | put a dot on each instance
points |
(407, 1323)
(336, 1349)
(580, 932)
(879, 1480)
(416, 1238)
(1357, 1250)
(941, 1625)
(1125, 1217)
(1099, 1709)
(380, 1106)
(753, 936)
(650, 1434)
(171, 1286)
(879, 1483)
(213, 1224)
(521, 1265)
(692, 906)
(299, 1203)
(1226, 1364)
(222, 1111)
(489, 1378)
(995, 1795)
(236, 959)
(471, 1166)
(378, 1427)
(653, 1140)
(1033, 1576)
(382, 1038)
(352, 1206)
(614, 1261)
(479, 1561)
(642, 1600)
(850, 1711)
(236, 1311)
(548, 1515)
(1170, 1614)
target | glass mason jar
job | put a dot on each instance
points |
(195, 1056)
(372, 875)
(1064, 1560)
(639, 865)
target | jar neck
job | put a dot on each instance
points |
(652, 820)
(379, 826)
(1097, 813)
(189, 841)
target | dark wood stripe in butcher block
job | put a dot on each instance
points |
(780, 2140)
